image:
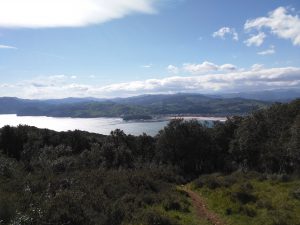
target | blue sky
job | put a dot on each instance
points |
(63, 48)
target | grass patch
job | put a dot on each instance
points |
(251, 198)
(178, 209)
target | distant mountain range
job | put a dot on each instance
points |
(146, 106)
(140, 107)
(278, 95)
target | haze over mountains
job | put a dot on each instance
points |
(279, 95)
(146, 106)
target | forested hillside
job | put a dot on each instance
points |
(81, 178)
(134, 108)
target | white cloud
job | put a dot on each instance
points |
(147, 66)
(173, 69)
(256, 67)
(67, 13)
(42, 81)
(7, 47)
(223, 31)
(5, 85)
(56, 77)
(269, 51)
(45, 87)
(256, 40)
(73, 77)
(207, 67)
(200, 68)
(255, 78)
(227, 67)
(280, 22)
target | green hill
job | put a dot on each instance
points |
(135, 107)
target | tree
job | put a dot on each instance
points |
(294, 145)
(12, 140)
(186, 144)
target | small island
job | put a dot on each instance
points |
(137, 117)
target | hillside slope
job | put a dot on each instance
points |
(135, 106)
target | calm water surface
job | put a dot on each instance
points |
(95, 125)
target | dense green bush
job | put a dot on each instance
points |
(176, 201)
(248, 210)
(281, 217)
(244, 194)
(156, 218)
(296, 193)
(7, 209)
(214, 181)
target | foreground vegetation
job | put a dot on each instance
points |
(252, 198)
(81, 178)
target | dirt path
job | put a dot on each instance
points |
(201, 208)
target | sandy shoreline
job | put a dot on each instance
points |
(207, 118)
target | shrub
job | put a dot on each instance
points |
(280, 217)
(262, 177)
(263, 203)
(7, 167)
(7, 210)
(152, 217)
(183, 193)
(243, 197)
(176, 204)
(252, 175)
(149, 199)
(171, 204)
(228, 211)
(244, 194)
(285, 178)
(22, 219)
(230, 180)
(296, 193)
(199, 183)
(214, 181)
(211, 181)
(63, 208)
(280, 177)
(248, 210)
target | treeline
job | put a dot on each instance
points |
(140, 107)
(49, 177)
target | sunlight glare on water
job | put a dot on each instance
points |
(94, 125)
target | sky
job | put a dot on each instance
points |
(120, 48)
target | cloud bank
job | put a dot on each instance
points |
(67, 13)
(280, 23)
(206, 67)
(255, 78)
